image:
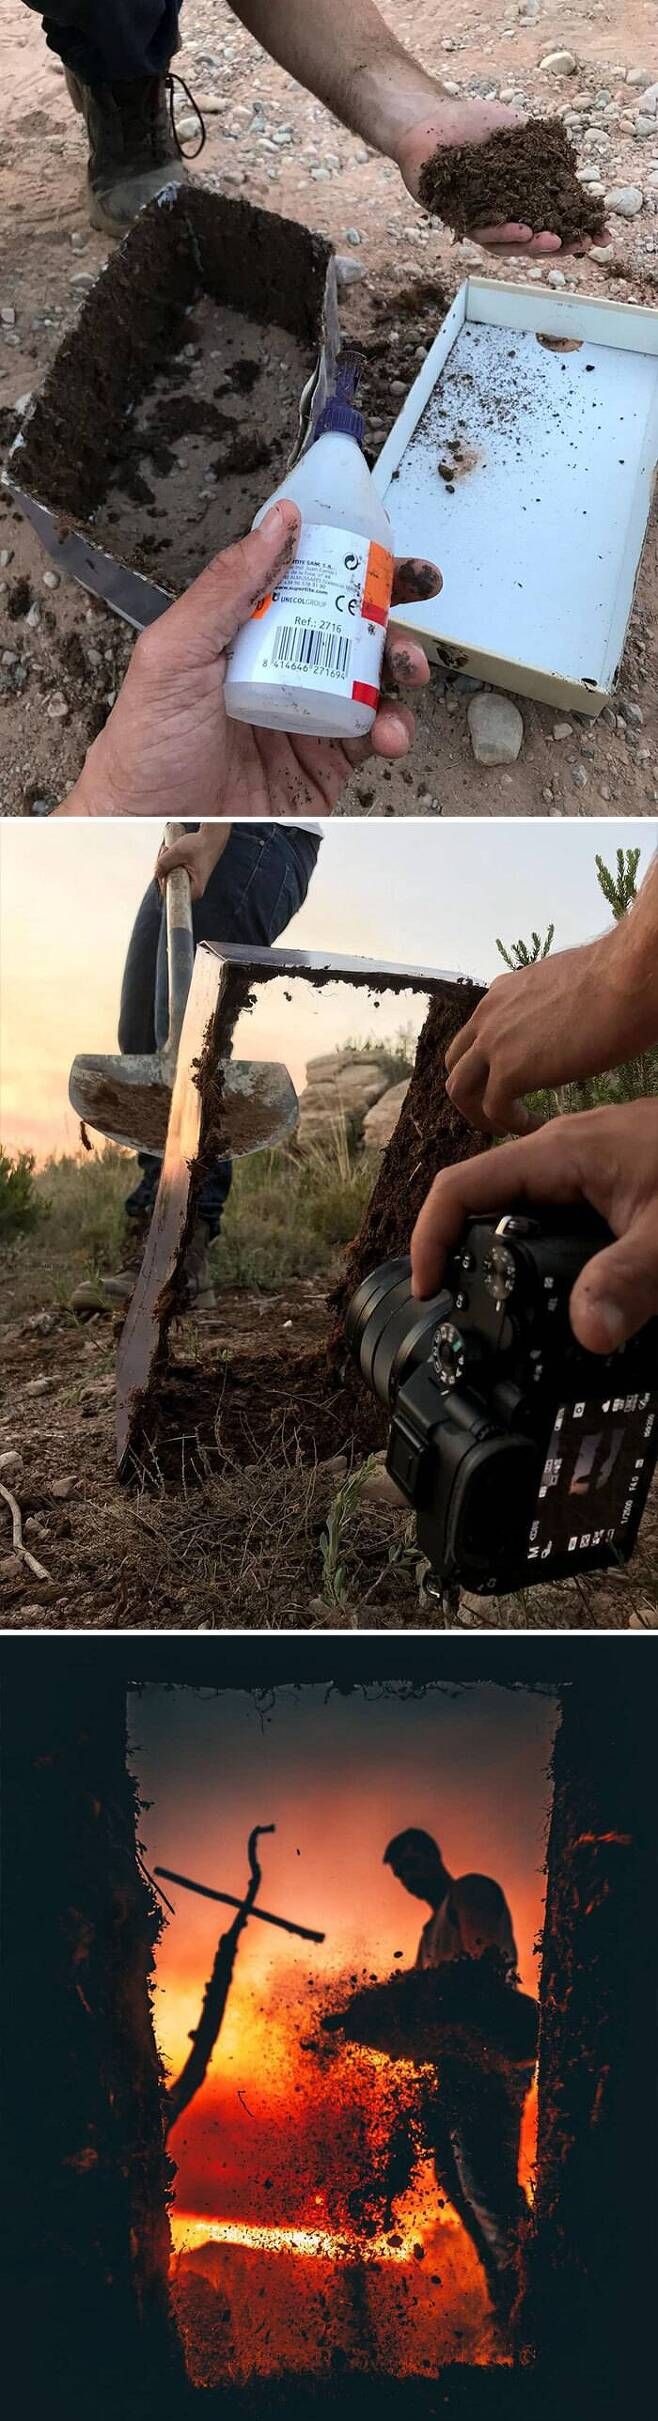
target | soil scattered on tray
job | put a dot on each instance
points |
(524, 175)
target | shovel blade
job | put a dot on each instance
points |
(128, 1099)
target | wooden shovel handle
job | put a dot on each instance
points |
(180, 941)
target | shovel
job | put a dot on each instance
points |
(127, 1097)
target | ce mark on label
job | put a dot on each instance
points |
(347, 605)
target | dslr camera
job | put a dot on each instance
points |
(523, 1456)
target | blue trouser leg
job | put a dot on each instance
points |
(111, 41)
(476, 2142)
(258, 885)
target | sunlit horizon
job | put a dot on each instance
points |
(421, 892)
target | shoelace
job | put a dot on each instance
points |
(170, 81)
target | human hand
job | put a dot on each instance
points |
(453, 123)
(198, 852)
(168, 747)
(553, 1023)
(606, 1157)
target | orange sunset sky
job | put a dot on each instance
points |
(337, 1777)
(428, 892)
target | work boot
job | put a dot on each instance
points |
(133, 146)
(114, 1292)
(197, 1290)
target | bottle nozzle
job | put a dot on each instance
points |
(341, 414)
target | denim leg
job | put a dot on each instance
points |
(111, 41)
(258, 885)
(485, 2136)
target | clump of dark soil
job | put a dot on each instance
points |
(465, 2008)
(19, 600)
(523, 175)
(287, 1406)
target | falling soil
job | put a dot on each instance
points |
(463, 2010)
(525, 175)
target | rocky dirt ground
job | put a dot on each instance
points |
(273, 1545)
(62, 657)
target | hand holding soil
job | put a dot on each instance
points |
(509, 183)
(168, 747)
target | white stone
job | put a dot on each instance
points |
(51, 579)
(8, 315)
(643, 128)
(57, 708)
(563, 731)
(556, 277)
(496, 729)
(625, 200)
(558, 63)
(381, 1121)
(638, 76)
(650, 101)
(348, 272)
(11, 1465)
(601, 252)
(352, 236)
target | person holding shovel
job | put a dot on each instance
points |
(246, 882)
(475, 2115)
(117, 58)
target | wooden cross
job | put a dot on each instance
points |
(305, 1932)
(204, 2036)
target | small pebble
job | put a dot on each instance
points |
(563, 731)
(51, 580)
(496, 729)
(558, 63)
(8, 315)
(57, 708)
(625, 200)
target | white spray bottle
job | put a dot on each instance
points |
(310, 659)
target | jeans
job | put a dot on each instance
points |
(111, 41)
(257, 886)
(475, 2134)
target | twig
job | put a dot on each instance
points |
(204, 2036)
(17, 1535)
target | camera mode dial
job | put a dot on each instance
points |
(448, 1354)
(499, 1272)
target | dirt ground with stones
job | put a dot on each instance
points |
(62, 657)
(246, 1547)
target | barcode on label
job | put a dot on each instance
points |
(298, 648)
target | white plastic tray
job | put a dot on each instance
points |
(540, 539)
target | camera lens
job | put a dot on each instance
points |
(388, 1332)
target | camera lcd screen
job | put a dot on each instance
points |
(594, 1479)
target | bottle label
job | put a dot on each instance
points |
(324, 627)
